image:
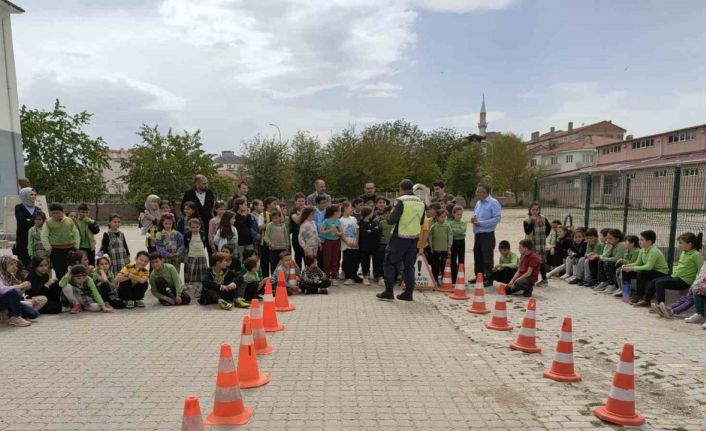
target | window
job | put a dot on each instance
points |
(644, 143)
(533, 162)
(686, 135)
(630, 176)
(555, 160)
(588, 158)
(570, 158)
(661, 173)
(611, 149)
(690, 172)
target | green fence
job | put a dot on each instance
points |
(669, 200)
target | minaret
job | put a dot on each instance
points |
(482, 124)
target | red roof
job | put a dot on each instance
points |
(560, 133)
(582, 143)
(664, 133)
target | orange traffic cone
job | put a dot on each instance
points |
(446, 283)
(281, 298)
(228, 408)
(478, 305)
(249, 374)
(526, 340)
(269, 315)
(620, 408)
(460, 287)
(563, 366)
(192, 420)
(499, 321)
(292, 283)
(258, 329)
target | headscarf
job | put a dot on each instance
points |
(155, 212)
(26, 198)
(7, 278)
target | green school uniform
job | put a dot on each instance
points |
(651, 259)
(458, 228)
(510, 261)
(168, 273)
(385, 231)
(440, 237)
(689, 264)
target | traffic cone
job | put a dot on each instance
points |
(269, 315)
(258, 329)
(228, 408)
(446, 283)
(249, 374)
(563, 366)
(499, 321)
(620, 408)
(526, 340)
(192, 420)
(292, 283)
(281, 298)
(478, 305)
(460, 287)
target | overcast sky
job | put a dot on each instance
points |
(232, 67)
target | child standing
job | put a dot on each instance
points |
(276, 239)
(190, 211)
(537, 228)
(149, 221)
(79, 290)
(349, 244)
(308, 233)
(87, 228)
(270, 206)
(507, 264)
(35, 247)
(369, 241)
(357, 206)
(59, 237)
(527, 273)
(458, 247)
(43, 285)
(196, 264)
(220, 285)
(218, 209)
(245, 225)
(650, 264)
(314, 280)
(440, 240)
(227, 234)
(332, 232)
(385, 234)
(170, 242)
(115, 245)
(321, 205)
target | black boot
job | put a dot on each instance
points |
(405, 296)
(387, 295)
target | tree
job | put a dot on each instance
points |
(308, 161)
(165, 165)
(341, 173)
(463, 171)
(267, 166)
(507, 165)
(62, 161)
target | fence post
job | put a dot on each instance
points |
(673, 221)
(535, 191)
(587, 210)
(626, 204)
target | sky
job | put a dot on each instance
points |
(231, 68)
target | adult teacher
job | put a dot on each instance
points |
(486, 216)
(24, 216)
(407, 218)
(369, 196)
(319, 190)
(202, 197)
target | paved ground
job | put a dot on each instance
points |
(347, 361)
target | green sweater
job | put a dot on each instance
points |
(458, 228)
(630, 257)
(168, 273)
(510, 261)
(252, 277)
(651, 259)
(551, 238)
(594, 248)
(385, 231)
(60, 233)
(440, 237)
(611, 253)
(688, 266)
(66, 279)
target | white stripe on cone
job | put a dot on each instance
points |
(622, 394)
(228, 395)
(227, 365)
(246, 340)
(527, 332)
(564, 358)
(267, 297)
(565, 336)
(626, 368)
(530, 314)
(500, 298)
(500, 313)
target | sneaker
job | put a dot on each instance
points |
(575, 281)
(527, 293)
(665, 311)
(405, 296)
(695, 318)
(366, 282)
(225, 305)
(542, 283)
(348, 282)
(18, 321)
(323, 291)
(642, 303)
(130, 304)
(611, 289)
(241, 303)
(565, 277)
(381, 281)
(618, 293)
(600, 287)
(140, 303)
(334, 282)
(387, 295)
(65, 309)
(654, 309)
(76, 308)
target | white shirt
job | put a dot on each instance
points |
(349, 225)
(201, 196)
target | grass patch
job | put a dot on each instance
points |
(655, 374)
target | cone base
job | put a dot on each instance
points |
(279, 327)
(549, 374)
(263, 352)
(290, 307)
(261, 380)
(494, 327)
(454, 296)
(445, 289)
(477, 311)
(526, 349)
(603, 414)
(240, 419)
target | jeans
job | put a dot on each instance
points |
(10, 301)
(483, 250)
(400, 250)
(128, 292)
(661, 284)
(699, 303)
(644, 278)
(162, 287)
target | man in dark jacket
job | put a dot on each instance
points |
(202, 197)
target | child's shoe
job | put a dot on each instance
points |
(140, 303)
(348, 282)
(565, 277)
(366, 282)
(225, 305)
(130, 304)
(695, 318)
(664, 311)
(76, 308)
(600, 287)
(611, 289)
(575, 281)
(18, 321)
(542, 283)
(323, 291)
(241, 303)
(654, 309)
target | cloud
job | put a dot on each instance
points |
(378, 89)
(462, 6)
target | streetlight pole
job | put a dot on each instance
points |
(278, 131)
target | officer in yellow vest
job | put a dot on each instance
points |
(407, 218)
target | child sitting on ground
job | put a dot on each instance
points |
(613, 251)
(551, 243)
(252, 280)
(569, 247)
(314, 280)
(43, 285)
(507, 264)
(220, 285)
(80, 291)
(165, 283)
(586, 269)
(104, 279)
(687, 301)
(286, 265)
(528, 271)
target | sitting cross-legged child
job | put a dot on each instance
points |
(528, 271)
(81, 292)
(314, 280)
(287, 264)
(507, 264)
(221, 285)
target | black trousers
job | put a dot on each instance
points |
(265, 260)
(249, 291)
(438, 260)
(400, 250)
(309, 288)
(59, 259)
(298, 251)
(367, 253)
(163, 285)
(128, 292)
(378, 259)
(661, 284)
(458, 255)
(524, 285)
(274, 261)
(350, 263)
(105, 292)
(211, 296)
(483, 257)
(504, 275)
(643, 280)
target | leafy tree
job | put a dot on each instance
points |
(165, 165)
(507, 165)
(438, 145)
(267, 166)
(463, 171)
(308, 161)
(62, 161)
(341, 173)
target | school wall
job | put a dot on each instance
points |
(127, 212)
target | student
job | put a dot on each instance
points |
(87, 228)
(35, 247)
(551, 243)
(349, 244)
(368, 241)
(294, 222)
(527, 272)
(569, 247)
(587, 269)
(80, 257)
(235, 264)
(613, 251)
(227, 234)
(423, 241)
(385, 234)
(218, 209)
(683, 274)
(149, 221)
(252, 279)
(322, 203)
(170, 242)
(189, 211)
(650, 264)
(331, 231)
(276, 240)
(308, 233)
(115, 245)
(632, 249)
(246, 227)
(221, 285)
(577, 253)
(380, 204)
(314, 280)
(286, 264)
(694, 298)
(42, 284)
(356, 207)
(440, 240)
(165, 283)
(507, 265)
(458, 247)
(165, 207)
(537, 228)
(196, 264)
(132, 281)
(104, 279)
(270, 205)
(80, 291)
(11, 292)
(59, 237)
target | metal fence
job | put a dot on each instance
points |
(668, 200)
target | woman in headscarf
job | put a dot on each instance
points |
(149, 221)
(24, 215)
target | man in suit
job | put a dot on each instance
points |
(202, 197)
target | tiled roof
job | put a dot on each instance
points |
(631, 165)
(560, 133)
(583, 143)
(665, 133)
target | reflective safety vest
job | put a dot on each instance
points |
(409, 225)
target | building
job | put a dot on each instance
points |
(483, 135)
(229, 161)
(11, 156)
(114, 184)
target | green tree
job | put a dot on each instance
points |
(308, 161)
(438, 145)
(463, 171)
(62, 161)
(267, 166)
(165, 165)
(341, 173)
(507, 165)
